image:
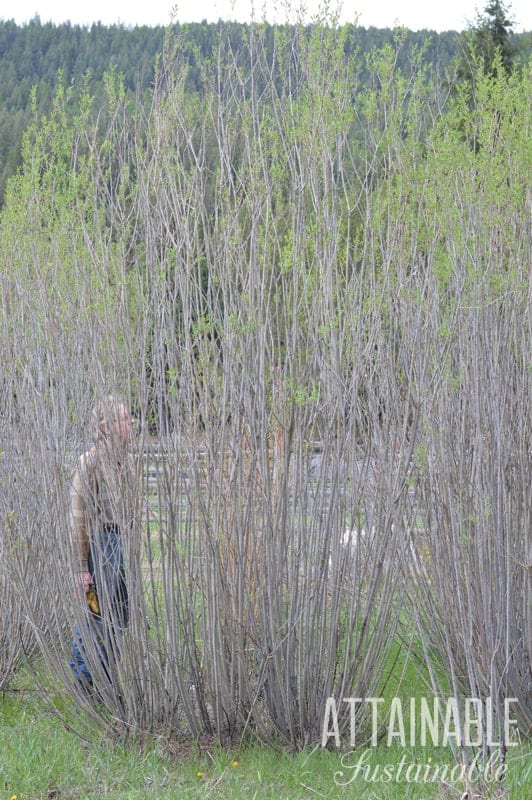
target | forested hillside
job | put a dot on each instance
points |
(34, 56)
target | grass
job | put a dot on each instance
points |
(41, 760)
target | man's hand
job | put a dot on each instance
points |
(85, 579)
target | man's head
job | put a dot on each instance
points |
(112, 421)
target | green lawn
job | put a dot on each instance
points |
(41, 759)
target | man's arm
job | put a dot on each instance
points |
(79, 522)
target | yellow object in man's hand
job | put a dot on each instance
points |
(92, 600)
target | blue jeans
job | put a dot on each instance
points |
(106, 565)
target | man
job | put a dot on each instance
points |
(102, 499)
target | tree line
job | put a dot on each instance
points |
(36, 56)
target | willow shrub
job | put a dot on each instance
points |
(473, 379)
(259, 272)
(17, 641)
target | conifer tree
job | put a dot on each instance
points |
(490, 40)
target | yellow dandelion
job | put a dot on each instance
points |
(13, 797)
(234, 763)
(199, 774)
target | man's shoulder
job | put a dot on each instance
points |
(87, 461)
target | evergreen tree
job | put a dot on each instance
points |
(489, 41)
(496, 30)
